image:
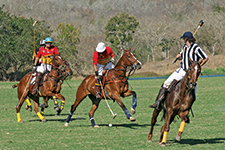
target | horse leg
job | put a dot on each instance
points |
(28, 106)
(56, 106)
(153, 122)
(183, 116)
(36, 104)
(127, 113)
(59, 96)
(134, 100)
(165, 129)
(80, 96)
(95, 104)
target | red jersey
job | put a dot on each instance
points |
(103, 58)
(45, 53)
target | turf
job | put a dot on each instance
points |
(205, 131)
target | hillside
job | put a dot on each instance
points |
(166, 67)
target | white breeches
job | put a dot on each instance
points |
(101, 68)
(43, 68)
(178, 75)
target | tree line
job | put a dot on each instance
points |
(150, 41)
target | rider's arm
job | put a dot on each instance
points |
(95, 68)
(204, 61)
(36, 60)
(179, 57)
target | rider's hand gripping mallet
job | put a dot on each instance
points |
(114, 115)
(199, 25)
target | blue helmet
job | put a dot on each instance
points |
(48, 39)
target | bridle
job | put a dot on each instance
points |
(191, 85)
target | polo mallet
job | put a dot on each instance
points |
(199, 25)
(114, 115)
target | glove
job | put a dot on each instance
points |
(97, 75)
(34, 68)
(112, 61)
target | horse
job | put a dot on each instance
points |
(178, 102)
(115, 86)
(49, 88)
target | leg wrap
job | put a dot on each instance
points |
(164, 137)
(18, 117)
(69, 117)
(40, 116)
(127, 113)
(28, 102)
(92, 121)
(181, 129)
(62, 105)
(134, 102)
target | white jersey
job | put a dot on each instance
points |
(194, 52)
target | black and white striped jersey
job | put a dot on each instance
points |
(194, 52)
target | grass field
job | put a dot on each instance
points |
(205, 131)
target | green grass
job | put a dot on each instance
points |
(206, 130)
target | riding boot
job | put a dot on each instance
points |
(161, 96)
(38, 78)
(98, 88)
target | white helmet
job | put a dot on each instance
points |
(100, 47)
(42, 42)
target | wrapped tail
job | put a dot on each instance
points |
(15, 85)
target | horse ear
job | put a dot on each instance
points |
(124, 50)
(129, 49)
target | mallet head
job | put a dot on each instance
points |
(114, 116)
(201, 23)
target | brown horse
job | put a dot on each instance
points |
(116, 86)
(178, 102)
(49, 88)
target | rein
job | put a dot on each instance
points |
(123, 74)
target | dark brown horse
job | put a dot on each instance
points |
(49, 88)
(116, 86)
(178, 102)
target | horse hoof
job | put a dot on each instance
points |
(163, 144)
(30, 108)
(21, 121)
(26, 107)
(149, 141)
(178, 138)
(132, 119)
(96, 126)
(43, 120)
(132, 111)
(66, 124)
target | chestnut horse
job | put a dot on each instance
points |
(49, 88)
(115, 86)
(178, 102)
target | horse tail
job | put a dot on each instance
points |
(15, 85)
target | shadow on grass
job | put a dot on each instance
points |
(202, 141)
(63, 114)
(58, 120)
(127, 125)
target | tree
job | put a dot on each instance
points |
(68, 40)
(17, 42)
(119, 31)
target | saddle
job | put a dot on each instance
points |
(172, 85)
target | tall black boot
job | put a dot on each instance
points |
(38, 78)
(161, 96)
(98, 88)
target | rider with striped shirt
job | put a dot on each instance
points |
(192, 50)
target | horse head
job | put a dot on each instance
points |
(131, 60)
(61, 64)
(194, 71)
